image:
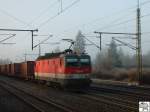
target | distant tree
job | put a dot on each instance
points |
(5, 61)
(146, 60)
(57, 49)
(102, 61)
(121, 56)
(79, 46)
(113, 55)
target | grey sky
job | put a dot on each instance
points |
(85, 15)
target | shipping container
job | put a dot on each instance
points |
(16, 69)
(8, 69)
(27, 70)
(3, 69)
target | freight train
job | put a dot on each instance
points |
(64, 69)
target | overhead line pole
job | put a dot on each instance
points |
(114, 33)
(138, 43)
(36, 30)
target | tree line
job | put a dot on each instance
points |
(114, 57)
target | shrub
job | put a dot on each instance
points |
(144, 79)
(124, 75)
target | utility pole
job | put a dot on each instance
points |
(138, 43)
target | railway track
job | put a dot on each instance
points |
(86, 102)
(143, 88)
(129, 92)
(110, 103)
(112, 97)
(133, 87)
(40, 104)
(122, 97)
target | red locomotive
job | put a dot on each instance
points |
(65, 69)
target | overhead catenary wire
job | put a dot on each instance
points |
(7, 38)
(7, 43)
(43, 12)
(123, 22)
(6, 34)
(126, 21)
(91, 42)
(15, 18)
(42, 41)
(95, 20)
(112, 25)
(63, 10)
(145, 2)
(101, 18)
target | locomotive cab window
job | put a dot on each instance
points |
(78, 61)
(84, 61)
(72, 61)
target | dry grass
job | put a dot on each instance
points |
(115, 74)
(132, 75)
(124, 75)
(144, 79)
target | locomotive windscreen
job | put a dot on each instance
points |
(72, 61)
(78, 61)
(84, 61)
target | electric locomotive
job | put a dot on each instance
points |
(66, 69)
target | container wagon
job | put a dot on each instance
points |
(15, 69)
(27, 70)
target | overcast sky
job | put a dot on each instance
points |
(85, 15)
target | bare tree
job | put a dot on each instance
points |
(113, 55)
(79, 46)
(57, 49)
(5, 61)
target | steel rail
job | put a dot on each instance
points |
(113, 98)
(49, 102)
(122, 90)
(117, 105)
